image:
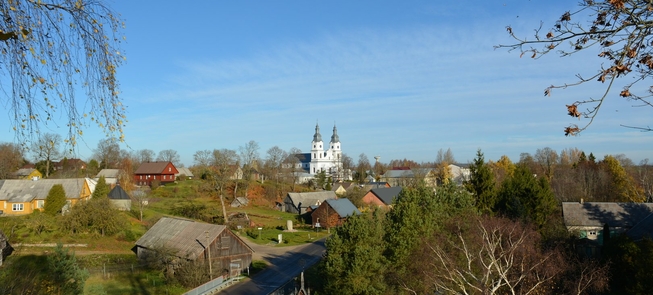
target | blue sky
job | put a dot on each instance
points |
(401, 79)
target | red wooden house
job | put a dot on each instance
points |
(151, 171)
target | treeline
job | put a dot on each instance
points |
(500, 233)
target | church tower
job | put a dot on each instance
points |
(336, 152)
(317, 151)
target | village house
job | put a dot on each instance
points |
(111, 176)
(196, 241)
(164, 172)
(382, 196)
(298, 202)
(28, 174)
(333, 213)
(20, 197)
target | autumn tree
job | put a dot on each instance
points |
(11, 158)
(48, 48)
(362, 167)
(487, 255)
(273, 161)
(55, 200)
(249, 156)
(547, 160)
(108, 153)
(170, 155)
(623, 187)
(481, 184)
(46, 148)
(220, 172)
(619, 31)
(292, 166)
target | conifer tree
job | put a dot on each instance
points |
(55, 200)
(66, 275)
(481, 184)
(526, 197)
(354, 263)
(101, 189)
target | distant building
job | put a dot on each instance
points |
(323, 157)
(164, 172)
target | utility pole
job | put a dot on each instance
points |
(208, 249)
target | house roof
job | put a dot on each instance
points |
(599, 213)
(308, 199)
(117, 193)
(185, 238)
(184, 171)
(386, 194)
(153, 168)
(108, 173)
(344, 207)
(24, 172)
(18, 191)
(643, 229)
(398, 174)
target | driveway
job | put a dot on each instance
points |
(285, 264)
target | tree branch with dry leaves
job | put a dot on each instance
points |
(620, 32)
(53, 53)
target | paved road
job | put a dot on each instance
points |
(285, 264)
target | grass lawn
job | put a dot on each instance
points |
(271, 235)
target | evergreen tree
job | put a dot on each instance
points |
(55, 200)
(101, 189)
(481, 184)
(418, 213)
(354, 262)
(66, 275)
(527, 197)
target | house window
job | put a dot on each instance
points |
(169, 169)
(39, 203)
(313, 146)
(17, 207)
(224, 242)
(592, 233)
(140, 177)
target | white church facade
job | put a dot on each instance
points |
(325, 157)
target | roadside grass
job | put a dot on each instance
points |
(137, 283)
(271, 236)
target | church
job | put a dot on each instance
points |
(323, 157)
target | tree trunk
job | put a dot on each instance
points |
(224, 209)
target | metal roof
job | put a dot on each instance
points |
(599, 213)
(308, 199)
(387, 194)
(117, 193)
(344, 207)
(20, 191)
(108, 173)
(185, 238)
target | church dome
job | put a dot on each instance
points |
(317, 137)
(334, 137)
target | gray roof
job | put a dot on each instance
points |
(386, 194)
(108, 173)
(184, 171)
(644, 229)
(399, 174)
(18, 191)
(117, 193)
(24, 171)
(185, 238)
(599, 213)
(308, 199)
(344, 207)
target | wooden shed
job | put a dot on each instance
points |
(196, 241)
